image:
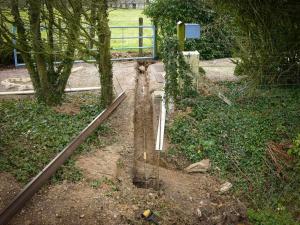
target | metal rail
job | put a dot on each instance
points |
(32, 187)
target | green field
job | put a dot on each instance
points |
(128, 17)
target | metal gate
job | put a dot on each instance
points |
(128, 43)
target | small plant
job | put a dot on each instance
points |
(271, 217)
(295, 150)
(96, 184)
(103, 180)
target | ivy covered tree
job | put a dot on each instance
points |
(104, 56)
(38, 48)
(217, 36)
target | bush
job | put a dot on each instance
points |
(216, 38)
(269, 39)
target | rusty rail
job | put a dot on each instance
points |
(33, 186)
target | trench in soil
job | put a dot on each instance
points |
(145, 173)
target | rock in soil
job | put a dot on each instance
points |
(142, 69)
(199, 167)
(225, 187)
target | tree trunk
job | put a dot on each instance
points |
(104, 60)
(25, 50)
(38, 48)
(49, 81)
(93, 22)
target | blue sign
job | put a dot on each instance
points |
(192, 31)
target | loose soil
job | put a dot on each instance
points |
(144, 152)
(181, 199)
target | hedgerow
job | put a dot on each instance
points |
(268, 37)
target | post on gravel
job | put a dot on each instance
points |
(141, 34)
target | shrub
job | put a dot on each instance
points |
(268, 38)
(217, 37)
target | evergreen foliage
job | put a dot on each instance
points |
(217, 38)
(178, 73)
(268, 37)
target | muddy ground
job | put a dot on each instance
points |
(117, 197)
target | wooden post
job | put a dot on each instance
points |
(181, 35)
(141, 34)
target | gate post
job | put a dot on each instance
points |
(141, 34)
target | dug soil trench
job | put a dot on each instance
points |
(144, 153)
(114, 189)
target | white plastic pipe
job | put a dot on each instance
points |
(161, 126)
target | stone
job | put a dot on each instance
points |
(142, 69)
(225, 187)
(199, 213)
(199, 167)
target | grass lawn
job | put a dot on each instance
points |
(32, 134)
(240, 139)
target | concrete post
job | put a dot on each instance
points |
(192, 58)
